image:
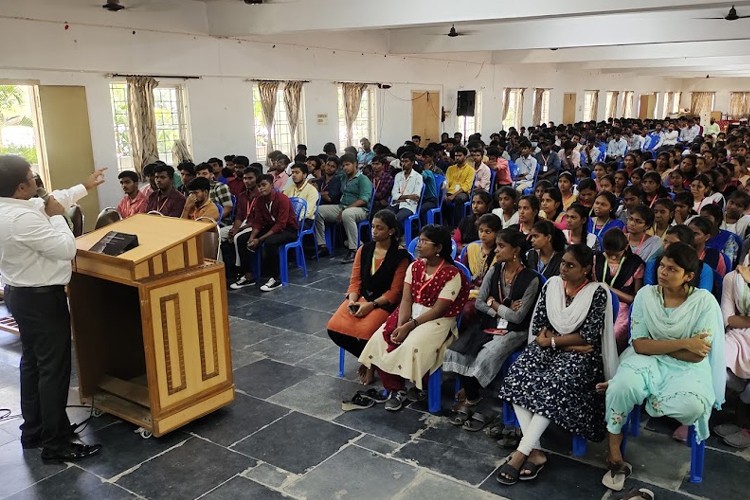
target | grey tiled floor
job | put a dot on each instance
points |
(286, 436)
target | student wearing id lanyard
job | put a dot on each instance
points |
(301, 188)
(643, 244)
(229, 234)
(166, 199)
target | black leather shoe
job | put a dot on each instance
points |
(75, 451)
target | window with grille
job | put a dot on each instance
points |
(588, 101)
(363, 126)
(515, 113)
(468, 125)
(281, 133)
(170, 112)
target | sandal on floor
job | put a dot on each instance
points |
(378, 396)
(477, 422)
(358, 402)
(726, 430)
(460, 416)
(495, 430)
(639, 494)
(739, 440)
(615, 477)
(511, 438)
(508, 470)
(534, 470)
(464, 403)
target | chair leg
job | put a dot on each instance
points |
(284, 265)
(509, 415)
(342, 361)
(697, 456)
(580, 446)
(458, 384)
(257, 270)
(433, 391)
(301, 259)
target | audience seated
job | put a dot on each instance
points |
(218, 193)
(301, 188)
(382, 182)
(187, 174)
(235, 183)
(504, 304)
(547, 248)
(229, 234)
(675, 361)
(482, 175)
(150, 176)
(721, 239)
(198, 204)
(604, 215)
(166, 199)
(134, 201)
(407, 189)
(329, 184)
(459, 179)
(506, 201)
(565, 182)
(413, 340)
(552, 207)
(467, 230)
(586, 192)
(528, 213)
(374, 292)
(642, 244)
(431, 190)
(702, 228)
(571, 348)
(352, 207)
(527, 167)
(273, 223)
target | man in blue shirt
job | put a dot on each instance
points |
(365, 154)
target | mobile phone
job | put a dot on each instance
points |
(495, 331)
(353, 308)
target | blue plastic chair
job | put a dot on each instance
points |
(300, 210)
(414, 218)
(412, 248)
(366, 223)
(434, 213)
(311, 232)
(467, 204)
(234, 208)
(221, 211)
(464, 270)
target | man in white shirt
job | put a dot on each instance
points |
(669, 138)
(713, 128)
(689, 132)
(526, 168)
(635, 141)
(616, 147)
(36, 250)
(407, 189)
(483, 175)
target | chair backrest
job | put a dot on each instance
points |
(412, 248)
(439, 181)
(419, 203)
(372, 203)
(221, 210)
(106, 217)
(464, 270)
(300, 210)
(156, 212)
(513, 168)
(466, 248)
(234, 208)
(493, 174)
(211, 239)
(76, 217)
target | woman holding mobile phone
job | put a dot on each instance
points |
(375, 287)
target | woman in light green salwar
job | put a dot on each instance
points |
(676, 358)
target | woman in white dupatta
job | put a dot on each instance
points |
(676, 358)
(571, 349)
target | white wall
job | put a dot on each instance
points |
(722, 86)
(220, 106)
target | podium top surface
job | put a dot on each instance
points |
(155, 235)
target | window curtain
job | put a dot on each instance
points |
(594, 104)
(700, 102)
(506, 104)
(292, 100)
(142, 120)
(538, 96)
(180, 152)
(628, 104)
(268, 96)
(612, 111)
(668, 103)
(519, 108)
(352, 100)
(739, 105)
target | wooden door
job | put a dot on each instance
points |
(643, 107)
(66, 140)
(425, 115)
(569, 107)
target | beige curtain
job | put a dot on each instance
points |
(739, 105)
(612, 110)
(506, 104)
(292, 100)
(352, 100)
(594, 104)
(180, 152)
(519, 108)
(668, 103)
(628, 104)
(538, 96)
(700, 102)
(142, 121)
(268, 95)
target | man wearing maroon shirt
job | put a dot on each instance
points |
(166, 199)
(274, 223)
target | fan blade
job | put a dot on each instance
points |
(712, 18)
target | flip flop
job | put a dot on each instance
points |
(726, 430)
(511, 438)
(507, 470)
(739, 440)
(477, 422)
(639, 494)
(495, 430)
(615, 477)
(534, 470)
(358, 402)
(464, 403)
(460, 416)
(375, 394)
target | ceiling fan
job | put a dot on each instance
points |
(453, 33)
(731, 16)
(113, 5)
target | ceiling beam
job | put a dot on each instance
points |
(679, 62)
(233, 18)
(608, 30)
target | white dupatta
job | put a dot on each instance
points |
(568, 319)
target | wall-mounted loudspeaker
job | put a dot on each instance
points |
(466, 102)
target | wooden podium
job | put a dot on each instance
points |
(150, 326)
